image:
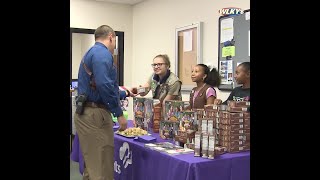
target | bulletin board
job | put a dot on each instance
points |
(188, 53)
(234, 46)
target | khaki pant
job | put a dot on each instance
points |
(95, 131)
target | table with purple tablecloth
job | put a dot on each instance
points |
(135, 162)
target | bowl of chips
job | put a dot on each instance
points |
(132, 132)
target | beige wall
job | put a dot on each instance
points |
(92, 14)
(154, 24)
(80, 45)
(76, 55)
(150, 30)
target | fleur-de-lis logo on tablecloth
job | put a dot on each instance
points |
(125, 157)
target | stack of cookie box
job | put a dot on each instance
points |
(206, 139)
(233, 126)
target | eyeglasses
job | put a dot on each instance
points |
(157, 65)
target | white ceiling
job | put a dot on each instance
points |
(131, 2)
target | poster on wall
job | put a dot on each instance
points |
(226, 71)
(226, 30)
(187, 41)
(247, 15)
(249, 42)
(124, 104)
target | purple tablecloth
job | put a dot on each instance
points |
(140, 163)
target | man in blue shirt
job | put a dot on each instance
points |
(97, 80)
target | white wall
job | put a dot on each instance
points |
(92, 14)
(80, 45)
(150, 30)
(76, 55)
(154, 24)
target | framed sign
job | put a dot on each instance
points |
(188, 52)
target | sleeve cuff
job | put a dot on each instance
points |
(116, 112)
(122, 94)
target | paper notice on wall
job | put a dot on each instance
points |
(226, 31)
(249, 42)
(230, 71)
(226, 71)
(247, 14)
(187, 41)
(223, 72)
(228, 51)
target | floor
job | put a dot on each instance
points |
(74, 171)
(74, 168)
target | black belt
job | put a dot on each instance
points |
(95, 105)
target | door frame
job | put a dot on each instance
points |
(120, 34)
